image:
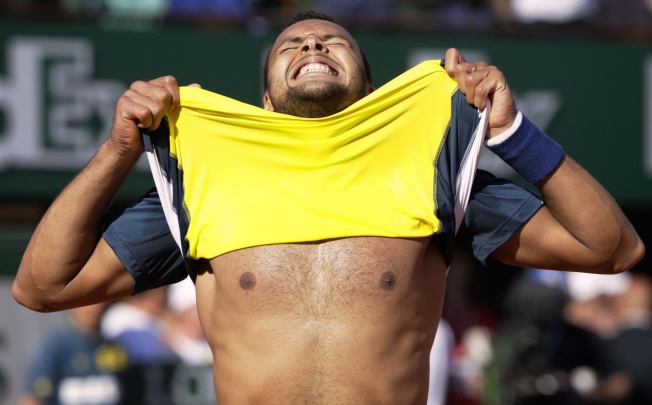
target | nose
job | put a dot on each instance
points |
(313, 43)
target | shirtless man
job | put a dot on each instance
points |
(337, 321)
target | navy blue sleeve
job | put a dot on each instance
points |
(497, 209)
(140, 237)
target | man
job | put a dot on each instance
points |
(347, 319)
(76, 364)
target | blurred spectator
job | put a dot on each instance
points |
(472, 320)
(627, 15)
(216, 9)
(140, 323)
(186, 337)
(274, 4)
(629, 349)
(553, 345)
(465, 15)
(441, 357)
(86, 8)
(592, 301)
(268, 13)
(136, 8)
(592, 307)
(553, 12)
(463, 309)
(360, 12)
(472, 355)
(634, 304)
(76, 365)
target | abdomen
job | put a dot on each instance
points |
(335, 322)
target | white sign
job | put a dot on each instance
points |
(56, 113)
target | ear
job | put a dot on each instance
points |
(370, 88)
(267, 102)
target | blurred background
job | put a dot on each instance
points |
(580, 69)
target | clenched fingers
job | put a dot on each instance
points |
(476, 80)
(480, 82)
(146, 103)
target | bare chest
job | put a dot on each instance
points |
(321, 275)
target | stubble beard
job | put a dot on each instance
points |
(315, 100)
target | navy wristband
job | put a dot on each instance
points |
(530, 152)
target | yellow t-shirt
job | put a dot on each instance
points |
(253, 177)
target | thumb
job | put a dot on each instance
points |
(453, 58)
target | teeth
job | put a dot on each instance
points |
(316, 67)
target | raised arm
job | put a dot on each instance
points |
(67, 263)
(580, 227)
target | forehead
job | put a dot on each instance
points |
(320, 28)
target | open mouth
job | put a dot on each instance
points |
(314, 67)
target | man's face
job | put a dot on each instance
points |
(315, 70)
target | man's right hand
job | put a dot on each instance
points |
(67, 263)
(142, 106)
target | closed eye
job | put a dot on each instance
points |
(337, 44)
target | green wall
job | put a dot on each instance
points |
(59, 82)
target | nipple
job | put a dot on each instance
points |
(387, 280)
(247, 280)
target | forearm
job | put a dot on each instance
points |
(69, 231)
(592, 218)
(66, 263)
(581, 227)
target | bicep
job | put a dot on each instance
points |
(103, 278)
(497, 210)
(542, 242)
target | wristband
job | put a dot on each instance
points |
(530, 152)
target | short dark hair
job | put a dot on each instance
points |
(309, 15)
(313, 15)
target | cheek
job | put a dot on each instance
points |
(276, 77)
(276, 87)
(277, 82)
(278, 69)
